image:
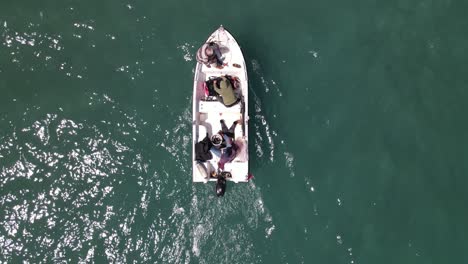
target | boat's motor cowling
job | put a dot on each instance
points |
(220, 186)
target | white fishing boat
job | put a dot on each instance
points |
(208, 113)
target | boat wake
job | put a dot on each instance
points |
(262, 125)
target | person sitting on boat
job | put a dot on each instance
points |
(224, 137)
(223, 87)
(209, 85)
(229, 153)
(218, 143)
(210, 53)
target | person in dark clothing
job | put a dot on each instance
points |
(230, 152)
(225, 90)
(210, 53)
(217, 53)
(228, 132)
(224, 137)
(202, 149)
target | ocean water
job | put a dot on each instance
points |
(357, 126)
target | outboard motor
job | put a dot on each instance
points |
(220, 186)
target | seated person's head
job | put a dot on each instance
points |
(216, 139)
(209, 51)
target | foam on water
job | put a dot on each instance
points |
(209, 219)
(266, 131)
(262, 126)
(188, 50)
(82, 174)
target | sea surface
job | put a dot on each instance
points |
(358, 133)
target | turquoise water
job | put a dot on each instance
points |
(357, 125)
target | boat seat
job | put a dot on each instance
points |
(217, 107)
(201, 132)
